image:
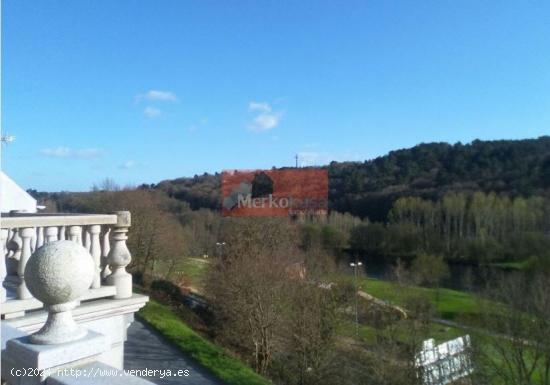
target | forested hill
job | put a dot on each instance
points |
(512, 167)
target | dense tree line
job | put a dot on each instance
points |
(369, 188)
(470, 227)
(473, 227)
(514, 167)
(200, 191)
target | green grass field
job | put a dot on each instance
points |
(216, 359)
(367, 334)
(194, 269)
(514, 265)
(448, 303)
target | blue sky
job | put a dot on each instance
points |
(143, 90)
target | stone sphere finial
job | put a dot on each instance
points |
(58, 274)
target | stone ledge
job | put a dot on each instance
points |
(87, 311)
(8, 332)
(44, 220)
(40, 357)
(17, 306)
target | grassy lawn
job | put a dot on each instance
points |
(448, 303)
(194, 269)
(438, 332)
(367, 334)
(514, 265)
(214, 358)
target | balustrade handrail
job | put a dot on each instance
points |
(103, 236)
(18, 220)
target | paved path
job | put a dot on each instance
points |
(145, 348)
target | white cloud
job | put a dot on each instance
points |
(266, 118)
(58, 152)
(127, 165)
(264, 122)
(259, 106)
(88, 153)
(156, 95)
(152, 112)
(67, 152)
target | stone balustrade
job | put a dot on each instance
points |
(59, 273)
(102, 236)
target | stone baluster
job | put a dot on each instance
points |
(26, 236)
(3, 269)
(51, 234)
(86, 239)
(119, 257)
(62, 233)
(105, 248)
(75, 234)
(39, 237)
(95, 251)
(4, 240)
(14, 252)
(10, 234)
(14, 244)
(33, 240)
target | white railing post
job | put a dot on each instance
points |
(33, 240)
(105, 248)
(95, 251)
(86, 237)
(26, 236)
(51, 234)
(39, 237)
(119, 257)
(3, 268)
(62, 233)
(14, 244)
(75, 234)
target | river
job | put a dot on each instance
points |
(464, 277)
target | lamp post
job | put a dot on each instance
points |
(355, 267)
(220, 246)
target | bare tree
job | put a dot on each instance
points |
(246, 286)
(309, 332)
(157, 238)
(517, 350)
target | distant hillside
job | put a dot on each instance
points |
(368, 189)
(200, 191)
